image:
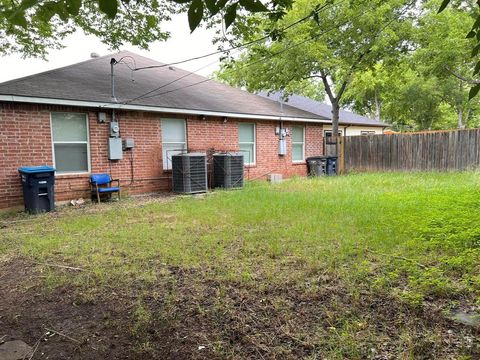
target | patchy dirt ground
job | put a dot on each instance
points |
(190, 317)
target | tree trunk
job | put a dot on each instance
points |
(335, 118)
(461, 125)
(378, 107)
(461, 122)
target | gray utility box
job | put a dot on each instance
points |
(282, 147)
(115, 150)
(317, 165)
(128, 143)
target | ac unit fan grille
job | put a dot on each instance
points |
(228, 170)
(189, 173)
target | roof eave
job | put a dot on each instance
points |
(151, 108)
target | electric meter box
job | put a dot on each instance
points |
(115, 150)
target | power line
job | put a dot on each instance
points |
(169, 83)
(313, 13)
(285, 50)
(266, 57)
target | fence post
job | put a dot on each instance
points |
(341, 155)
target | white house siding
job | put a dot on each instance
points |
(355, 130)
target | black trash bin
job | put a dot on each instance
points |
(332, 165)
(38, 188)
(317, 165)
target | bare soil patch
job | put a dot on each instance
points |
(188, 316)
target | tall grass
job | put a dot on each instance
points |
(414, 234)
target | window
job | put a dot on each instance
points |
(70, 142)
(298, 143)
(365, 132)
(328, 133)
(246, 142)
(173, 140)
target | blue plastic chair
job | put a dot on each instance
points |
(102, 184)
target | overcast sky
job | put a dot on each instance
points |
(181, 45)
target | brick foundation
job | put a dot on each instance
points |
(25, 139)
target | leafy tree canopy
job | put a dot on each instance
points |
(32, 27)
(327, 50)
(428, 87)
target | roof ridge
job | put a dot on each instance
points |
(277, 96)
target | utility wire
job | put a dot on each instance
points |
(256, 61)
(262, 59)
(145, 95)
(313, 13)
(283, 51)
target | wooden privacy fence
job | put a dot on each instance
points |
(440, 151)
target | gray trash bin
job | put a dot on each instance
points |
(317, 165)
(38, 188)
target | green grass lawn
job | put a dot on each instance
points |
(313, 258)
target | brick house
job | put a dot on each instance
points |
(62, 118)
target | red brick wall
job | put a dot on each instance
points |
(25, 139)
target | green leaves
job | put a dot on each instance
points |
(253, 5)
(73, 7)
(109, 7)
(195, 14)
(475, 50)
(473, 91)
(196, 11)
(230, 15)
(18, 18)
(212, 6)
(444, 5)
(151, 21)
(477, 68)
(471, 34)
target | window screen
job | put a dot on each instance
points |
(298, 143)
(246, 142)
(173, 140)
(70, 142)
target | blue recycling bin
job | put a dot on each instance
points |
(332, 165)
(38, 184)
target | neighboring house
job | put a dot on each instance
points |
(350, 124)
(61, 118)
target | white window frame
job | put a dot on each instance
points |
(254, 143)
(367, 132)
(89, 165)
(296, 143)
(340, 132)
(165, 165)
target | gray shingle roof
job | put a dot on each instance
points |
(90, 81)
(323, 110)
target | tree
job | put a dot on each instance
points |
(474, 33)
(425, 88)
(443, 50)
(328, 51)
(32, 27)
(367, 90)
